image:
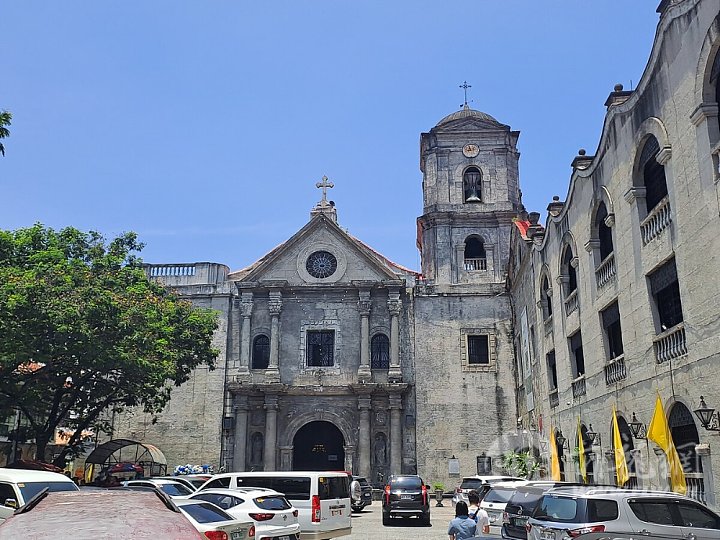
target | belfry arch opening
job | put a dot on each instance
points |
(318, 446)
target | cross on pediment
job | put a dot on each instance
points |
(324, 184)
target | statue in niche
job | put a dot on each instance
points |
(380, 449)
(256, 449)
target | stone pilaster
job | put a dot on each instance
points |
(364, 437)
(241, 419)
(271, 408)
(395, 434)
(349, 458)
(246, 307)
(395, 307)
(364, 306)
(272, 374)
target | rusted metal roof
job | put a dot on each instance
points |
(101, 454)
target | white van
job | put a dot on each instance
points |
(18, 486)
(321, 498)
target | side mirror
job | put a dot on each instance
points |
(10, 503)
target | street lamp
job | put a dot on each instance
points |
(592, 436)
(707, 416)
(637, 428)
(560, 440)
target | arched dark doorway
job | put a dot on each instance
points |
(318, 446)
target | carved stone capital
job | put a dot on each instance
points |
(574, 262)
(364, 404)
(610, 220)
(664, 155)
(394, 306)
(271, 403)
(395, 402)
(591, 244)
(634, 193)
(275, 303)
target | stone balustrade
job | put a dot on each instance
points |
(167, 270)
(615, 370)
(656, 221)
(472, 265)
(606, 272)
(571, 302)
(578, 386)
(670, 344)
(201, 273)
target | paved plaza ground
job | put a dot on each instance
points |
(367, 525)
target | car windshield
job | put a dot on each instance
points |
(175, 490)
(499, 495)
(553, 508)
(205, 513)
(272, 503)
(30, 489)
(406, 482)
(527, 500)
(471, 483)
(197, 482)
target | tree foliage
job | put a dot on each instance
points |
(521, 464)
(5, 121)
(84, 332)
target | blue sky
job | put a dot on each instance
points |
(203, 126)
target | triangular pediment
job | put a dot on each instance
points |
(470, 124)
(353, 260)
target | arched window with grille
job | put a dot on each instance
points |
(380, 352)
(568, 270)
(474, 255)
(261, 352)
(545, 299)
(604, 232)
(472, 185)
(653, 174)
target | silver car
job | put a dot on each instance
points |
(563, 514)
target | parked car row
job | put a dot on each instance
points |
(547, 510)
(230, 506)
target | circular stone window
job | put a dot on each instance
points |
(321, 264)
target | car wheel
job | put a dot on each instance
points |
(386, 519)
(425, 519)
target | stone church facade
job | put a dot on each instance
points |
(332, 356)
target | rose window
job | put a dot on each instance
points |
(321, 264)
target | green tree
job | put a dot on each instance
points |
(522, 464)
(84, 332)
(5, 120)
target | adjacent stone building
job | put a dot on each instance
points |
(616, 298)
(332, 356)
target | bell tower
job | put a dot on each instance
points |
(469, 162)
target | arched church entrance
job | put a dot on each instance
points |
(318, 446)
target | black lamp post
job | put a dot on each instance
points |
(707, 416)
(560, 440)
(637, 428)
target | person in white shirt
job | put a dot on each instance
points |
(478, 514)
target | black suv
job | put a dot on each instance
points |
(366, 495)
(406, 495)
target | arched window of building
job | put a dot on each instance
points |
(685, 437)
(261, 352)
(545, 298)
(604, 232)
(653, 174)
(380, 352)
(472, 185)
(474, 255)
(568, 271)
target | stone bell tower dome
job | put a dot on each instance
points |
(469, 162)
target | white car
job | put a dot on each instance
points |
(273, 515)
(171, 488)
(495, 501)
(18, 486)
(214, 522)
(481, 484)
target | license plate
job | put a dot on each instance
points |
(547, 535)
(283, 537)
(238, 535)
(404, 497)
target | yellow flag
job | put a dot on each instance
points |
(554, 459)
(659, 433)
(621, 468)
(581, 453)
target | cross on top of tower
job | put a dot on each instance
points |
(324, 184)
(465, 87)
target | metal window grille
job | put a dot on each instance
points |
(320, 348)
(261, 352)
(478, 352)
(380, 352)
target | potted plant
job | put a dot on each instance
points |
(439, 489)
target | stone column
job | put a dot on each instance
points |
(272, 373)
(234, 331)
(395, 434)
(364, 437)
(364, 306)
(246, 307)
(241, 420)
(271, 407)
(394, 306)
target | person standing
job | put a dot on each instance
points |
(461, 527)
(478, 514)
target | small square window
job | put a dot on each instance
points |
(320, 348)
(478, 352)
